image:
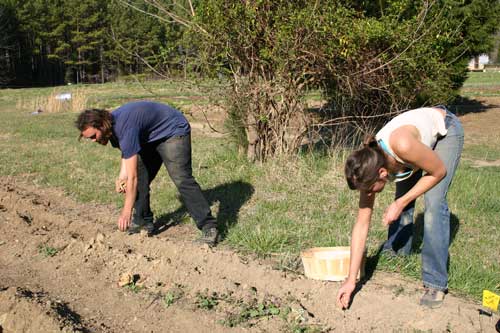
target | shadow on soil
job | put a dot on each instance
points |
(332, 130)
(465, 105)
(418, 234)
(62, 309)
(231, 197)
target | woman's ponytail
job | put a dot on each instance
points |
(370, 141)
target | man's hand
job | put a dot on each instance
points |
(124, 221)
(121, 185)
(344, 294)
(392, 212)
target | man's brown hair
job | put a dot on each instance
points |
(97, 118)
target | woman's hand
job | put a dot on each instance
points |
(392, 212)
(344, 294)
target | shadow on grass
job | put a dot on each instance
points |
(463, 105)
(372, 261)
(231, 197)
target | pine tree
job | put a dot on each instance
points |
(83, 33)
(8, 26)
(142, 42)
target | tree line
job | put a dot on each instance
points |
(50, 42)
(53, 42)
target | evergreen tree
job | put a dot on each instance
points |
(8, 26)
(84, 32)
(142, 42)
(35, 42)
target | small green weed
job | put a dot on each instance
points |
(251, 311)
(398, 290)
(289, 262)
(134, 287)
(303, 328)
(47, 251)
(173, 295)
(207, 301)
(169, 299)
(296, 322)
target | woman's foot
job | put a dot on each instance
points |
(432, 298)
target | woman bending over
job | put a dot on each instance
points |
(419, 150)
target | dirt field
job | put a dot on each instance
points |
(73, 284)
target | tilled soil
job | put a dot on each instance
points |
(61, 263)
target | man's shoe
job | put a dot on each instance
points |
(150, 229)
(432, 298)
(209, 236)
(389, 253)
(136, 228)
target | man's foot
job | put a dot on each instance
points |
(389, 253)
(432, 298)
(209, 236)
(136, 228)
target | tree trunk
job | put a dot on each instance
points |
(252, 137)
(494, 58)
(102, 63)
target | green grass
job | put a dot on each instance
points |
(487, 151)
(276, 208)
(482, 79)
(482, 84)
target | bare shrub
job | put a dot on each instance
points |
(56, 102)
(371, 60)
(79, 100)
(55, 105)
(31, 104)
(267, 117)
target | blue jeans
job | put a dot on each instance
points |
(175, 154)
(436, 216)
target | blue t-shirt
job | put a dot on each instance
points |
(138, 123)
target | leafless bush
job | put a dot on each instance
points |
(56, 102)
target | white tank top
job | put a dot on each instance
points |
(429, 123)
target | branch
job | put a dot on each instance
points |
(422, 16)
(135, 54)
(175, 18)
(349, 119)
(210, 125)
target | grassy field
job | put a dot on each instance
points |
(482, 84)
(276, 208)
